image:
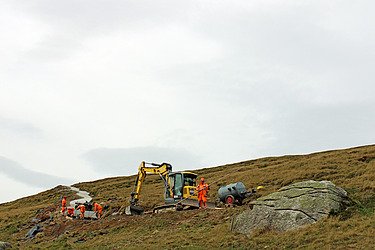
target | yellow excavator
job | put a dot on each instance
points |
(179, 188)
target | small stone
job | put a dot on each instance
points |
(5, 245)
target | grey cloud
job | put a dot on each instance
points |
(29, 177)
(104, 15)
(276, 59)
(72, 22)
(290, 42)
(54, 48)
(20, 128)
(314, 128)
(124, 161)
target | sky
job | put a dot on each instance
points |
(89, 89)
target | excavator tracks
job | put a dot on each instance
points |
(181, 205)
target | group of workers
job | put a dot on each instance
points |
(98, 209)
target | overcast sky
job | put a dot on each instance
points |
(89, 89)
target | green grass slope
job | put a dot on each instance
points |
(352, 169)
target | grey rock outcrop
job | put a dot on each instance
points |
(292, 207)
(5, 245)
(33, 231)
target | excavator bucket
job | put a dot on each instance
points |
(134, 210)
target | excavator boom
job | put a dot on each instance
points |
(149, 168)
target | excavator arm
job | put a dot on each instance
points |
(149, 168)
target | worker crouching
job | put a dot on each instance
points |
(70, 212)
(202, 189)
(98, 209)
(82, 209)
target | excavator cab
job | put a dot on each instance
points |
(181, 186)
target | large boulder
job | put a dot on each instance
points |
(292, 207)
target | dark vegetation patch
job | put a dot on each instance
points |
(366, 159)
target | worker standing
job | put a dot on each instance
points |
(202, 189)
(82, 209)
(98, 209)
(63, 205)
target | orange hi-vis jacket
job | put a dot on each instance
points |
(202, 189)
(82, 208)
(98, 208)
(70, 211)
(63, 205)
(63, 202)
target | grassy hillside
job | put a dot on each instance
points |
(352, 169)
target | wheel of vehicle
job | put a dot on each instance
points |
(229, 200)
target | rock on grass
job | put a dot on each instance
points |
(291, 207)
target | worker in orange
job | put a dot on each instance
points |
(70, 212)
(202, 190)
(98, 209)
(82, 209)
(63, 205)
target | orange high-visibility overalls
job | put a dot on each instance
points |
(202, 189)
(63, 205)
(98, 209)
(70, 211)
(82, 209)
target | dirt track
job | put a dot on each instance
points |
(84, 194)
